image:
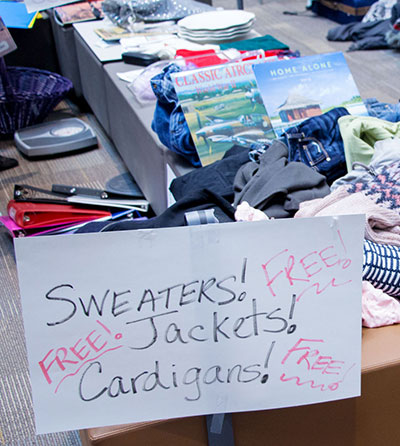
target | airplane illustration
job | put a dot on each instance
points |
(244, 130)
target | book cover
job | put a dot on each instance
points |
(222, 107)
(113, 33)
(294, 90)
(79, 12)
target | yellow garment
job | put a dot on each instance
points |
(360, 133)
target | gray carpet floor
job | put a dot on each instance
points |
(374, 73)
(90, 169)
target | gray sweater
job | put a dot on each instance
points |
(277, 186)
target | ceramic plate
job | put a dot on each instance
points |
(225, 32)
(212, 38)
(216, 20)
(213, 31)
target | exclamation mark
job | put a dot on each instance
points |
(242, 295)
(346, 262)
(265, 377)
(292, 328)
(118, 336)
(342, 242)
(244, 266)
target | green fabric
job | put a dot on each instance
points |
(265, 43)
(360, 133)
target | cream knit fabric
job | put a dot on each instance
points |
(382, 224)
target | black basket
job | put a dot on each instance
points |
(27, 96)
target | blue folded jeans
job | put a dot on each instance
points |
(318, 143)
(168, 120)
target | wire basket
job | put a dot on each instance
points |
(27, 96)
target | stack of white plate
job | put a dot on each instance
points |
(215, 26)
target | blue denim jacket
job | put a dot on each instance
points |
(318, 143)
(169, 121)
(383, 110)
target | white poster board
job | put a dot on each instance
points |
(153, 324)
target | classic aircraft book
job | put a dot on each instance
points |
(294, 90)
(223, 107)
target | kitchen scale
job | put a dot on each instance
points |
(55, 137)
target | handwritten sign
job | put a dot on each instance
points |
(152, 324)
(41, 5)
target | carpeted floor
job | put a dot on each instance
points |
(89, 168)
(373, 72)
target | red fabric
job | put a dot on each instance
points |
(203, 58)
(207, 58)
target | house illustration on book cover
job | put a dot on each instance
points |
(223, 107)
(298, 107)
(297, 89)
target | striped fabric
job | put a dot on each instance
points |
(381, 267)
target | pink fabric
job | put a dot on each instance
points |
(244, 212)
(382, 224)
(378, 308)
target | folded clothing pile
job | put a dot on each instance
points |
(380, 30)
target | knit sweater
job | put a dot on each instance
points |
(382, 225)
